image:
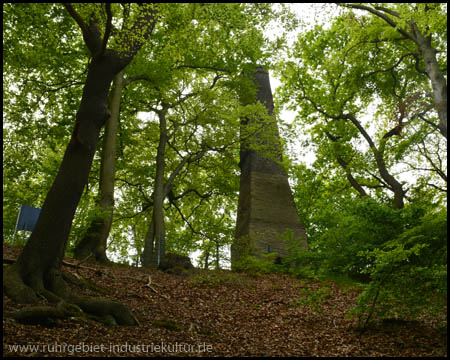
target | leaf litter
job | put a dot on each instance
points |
(215, 313)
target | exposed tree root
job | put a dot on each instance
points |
(44, 315)
(76, 279)
(107, 311)
(52, 287)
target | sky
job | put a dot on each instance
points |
(309, 14)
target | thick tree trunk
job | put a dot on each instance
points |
(52, 229)
(396, 187)
(94, 242)
(36, 272)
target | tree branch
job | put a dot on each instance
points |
(78, 19)
(212, 68)
(139, 186)
(382, 16)
(344, 165)
(91, 33)
(147, 21)
(107, 28)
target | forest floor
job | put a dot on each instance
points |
(217, 313)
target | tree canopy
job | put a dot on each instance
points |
(369, 90)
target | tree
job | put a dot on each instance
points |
(34, 275)
(332, 98)
(362, 94)
(336, 85)
(41, 89)
(199, 39)
(174, 55)
(421, 24)
(94, 241)
(190, 118)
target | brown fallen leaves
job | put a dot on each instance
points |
(216, 314)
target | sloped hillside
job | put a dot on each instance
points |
(208, 313)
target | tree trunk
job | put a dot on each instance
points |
(438, 82)
(94, 242)
(217, 256)
(158, 206)
(154, 240)
(148, 252)
(37, 271)
(395, 186)
(52, 229)
(206, 259)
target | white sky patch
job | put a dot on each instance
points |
(309, 14)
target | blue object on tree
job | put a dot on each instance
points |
(27, 219)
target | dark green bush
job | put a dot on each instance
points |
(408, 274)
(401, 255)
(255, 266)
(343, 232)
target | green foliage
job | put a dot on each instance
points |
(342, 231)
(191, 47)
(408, 274)
(356, 64)
(256, 266)
(303, 264)
(313, 298)
(362, 224)
(400, 255)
